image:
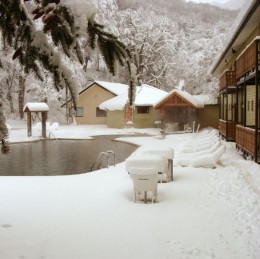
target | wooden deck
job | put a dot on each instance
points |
(227, 79)
(246, 63)
(227, 129)
(245, 141)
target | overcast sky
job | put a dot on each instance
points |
(208, 1)
(230, 4)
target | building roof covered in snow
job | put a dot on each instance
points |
(178, 97)
(146, 95)
(36, 107)
(207, 99)
(248, 19)
(115, 88)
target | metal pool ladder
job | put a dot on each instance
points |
(102, 156)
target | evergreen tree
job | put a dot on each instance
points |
(37, 28)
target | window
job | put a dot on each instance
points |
(252, 106)
(77, 113)
(142, 109)
(100, 113)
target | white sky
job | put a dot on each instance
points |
(208, 1)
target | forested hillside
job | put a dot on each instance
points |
(170, 41)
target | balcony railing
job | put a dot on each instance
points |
(245, 140)
(227, 79)
(246, 62)
(227, 129)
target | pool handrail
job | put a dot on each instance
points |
(101, 156)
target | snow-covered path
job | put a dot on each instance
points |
(203, 213)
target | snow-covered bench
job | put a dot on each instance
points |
(166, 152)
(144, 180)
(144, 170)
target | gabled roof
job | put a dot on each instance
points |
(179, 98)
(146, 95)
(247, 22)
(115, 88)
(36, 107)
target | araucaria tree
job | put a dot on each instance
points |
(41, 31)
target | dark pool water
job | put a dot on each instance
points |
(60, 157)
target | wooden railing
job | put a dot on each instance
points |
(245, 138)
(228, 78)
(246, 62)
(227, 129)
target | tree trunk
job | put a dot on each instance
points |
(21, 92)
(9, 95)
(3, 132)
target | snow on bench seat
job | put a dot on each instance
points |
(158, 163)
(161, 151)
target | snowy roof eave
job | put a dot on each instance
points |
(146, 95)
(36, 107)
(114, 88)
(190, 99)
(245, 26)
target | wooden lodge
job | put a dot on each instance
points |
(238, 69)
(180, 109)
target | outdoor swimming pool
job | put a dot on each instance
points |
(60, 157)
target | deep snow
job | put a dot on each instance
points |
(203, 213)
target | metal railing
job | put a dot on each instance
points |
(51, 133)
(101, 157)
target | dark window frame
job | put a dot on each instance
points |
(101, 113)
(142, 109)
(77, 113)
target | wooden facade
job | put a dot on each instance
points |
(227, 87)
(238, 69)
(248, 98)
(180, 108)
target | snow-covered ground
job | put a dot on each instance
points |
(203, 213)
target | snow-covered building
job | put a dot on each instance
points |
(144, 115)
(88, 111)
(181, 108)
(238, 69)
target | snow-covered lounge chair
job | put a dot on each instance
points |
(207, 159)
(144, 180)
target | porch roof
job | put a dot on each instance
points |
(179, 98)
